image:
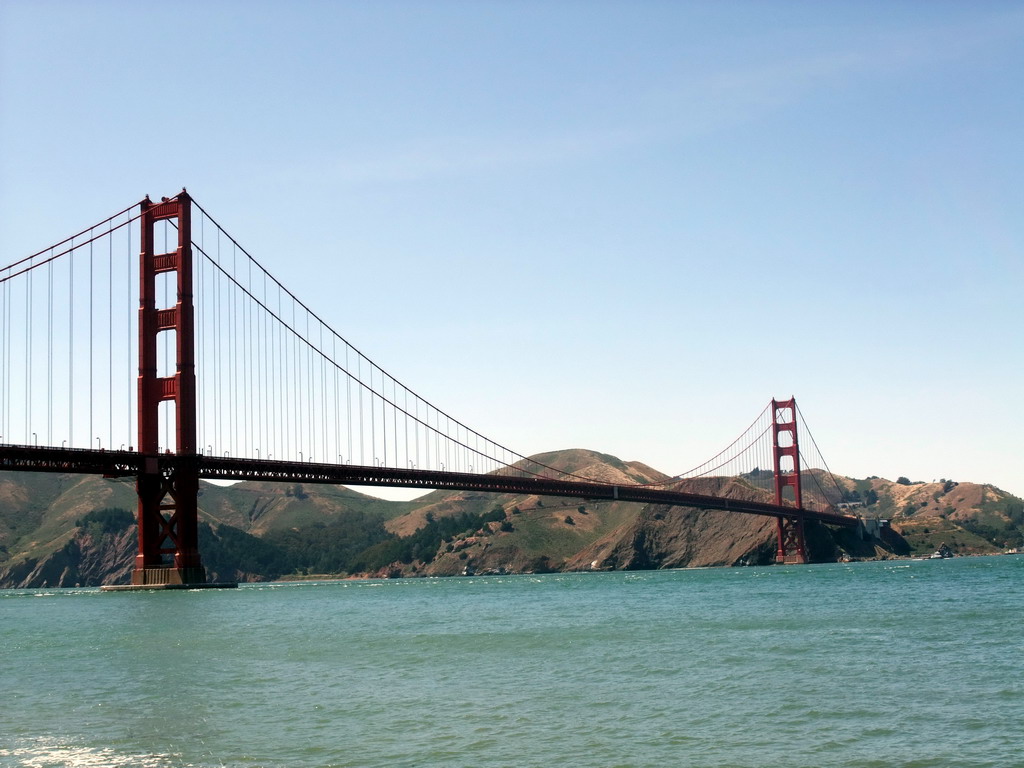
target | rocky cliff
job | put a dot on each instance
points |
(86, 560)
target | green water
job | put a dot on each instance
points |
(874, 664)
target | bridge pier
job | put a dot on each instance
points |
(168, 520)
(792, 547)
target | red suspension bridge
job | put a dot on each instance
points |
(222, 373)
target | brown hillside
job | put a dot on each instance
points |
(681, 537)
(590, 465)
(677, 537)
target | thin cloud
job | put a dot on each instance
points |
(694, 104)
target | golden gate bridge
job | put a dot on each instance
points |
(153, 345)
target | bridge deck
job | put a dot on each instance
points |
(130, 463)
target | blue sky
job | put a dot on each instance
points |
(613, 225)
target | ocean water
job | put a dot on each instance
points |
(901, 663)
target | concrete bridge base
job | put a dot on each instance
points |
(169, 578)
(151, 587)
(168, 575)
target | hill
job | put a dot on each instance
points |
(260, 507)
(970, 518)
(66, 529)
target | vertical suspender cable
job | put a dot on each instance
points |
(383, 420)
(28, 356)
(49, 352)
(310, 391)
(362, 449)
(71, 347)
(255, 380)
(128, 341)
(5, 372)
(245, 379)
(337, 415)
(271, 372)
(321, 396)
(309, 401)
(348, 396)
(232, 379)
(297, 382)
(283, 363)
(91, 406)
(373, 417)
(218, 356)
(201, 339)
(248, 382)
(244, 444)
(110, 336)
(5, 364)
(282, 388)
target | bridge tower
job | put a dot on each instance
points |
(168, 490)
(791, 548)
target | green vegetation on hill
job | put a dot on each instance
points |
(331, 547)
(232, 554)
(106, 520)
(425, 542)
(355, 543)
(1000, 521)
(262, 507)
